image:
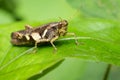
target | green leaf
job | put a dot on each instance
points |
(108, 9)
(5, 17)
(98, 41)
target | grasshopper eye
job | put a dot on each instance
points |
(64, 23)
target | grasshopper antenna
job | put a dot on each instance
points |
(73, 15)
(60, 18)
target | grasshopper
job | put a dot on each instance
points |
(45, 33)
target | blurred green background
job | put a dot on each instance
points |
(38, 10)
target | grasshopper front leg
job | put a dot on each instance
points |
(73, 34)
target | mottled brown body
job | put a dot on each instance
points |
(45, 33)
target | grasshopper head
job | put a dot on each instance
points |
(63, 27)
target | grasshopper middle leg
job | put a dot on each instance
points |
(52, 40)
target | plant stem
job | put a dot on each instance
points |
(107, 72)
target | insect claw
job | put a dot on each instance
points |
(76, 42)
(53, 46)
(35, 50)
(55, 50)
